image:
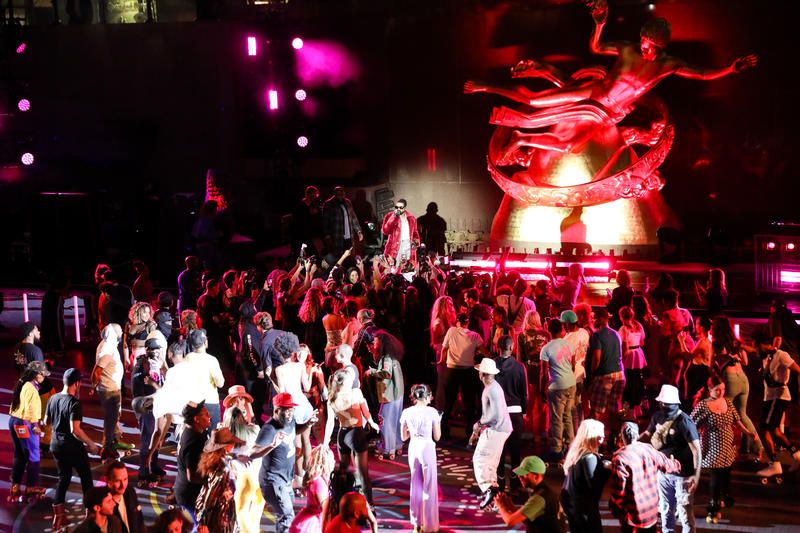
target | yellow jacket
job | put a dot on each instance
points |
(30, 405)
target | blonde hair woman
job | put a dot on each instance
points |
(140, 324)
(586, 474)
(318, 475)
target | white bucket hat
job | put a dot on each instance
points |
(668, 394)
(487, 366)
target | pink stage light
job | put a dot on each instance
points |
(534, 265)
(736, 330)
(27, 158)
(790, 277)
(252, 46)
(24, 105)
(297, 43)
(302, 141)
(300, 95)
(791, 247)
(21, 48)
(77, 319)
(25, 315)
(272, 96)
(770, 245)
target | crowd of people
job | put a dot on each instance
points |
(374, 356)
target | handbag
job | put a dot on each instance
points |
(22, 431)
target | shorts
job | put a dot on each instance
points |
(605, 392)
(353, 440)
(772, 413)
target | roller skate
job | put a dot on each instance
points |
(33, 494)
(773, 470)
(714, 514)
(147, 481)
(59, 518)
(487, 498)
(15, 494)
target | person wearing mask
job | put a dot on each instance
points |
(557, 366)
(69, 443)
(100, 517)
(490, 433)
(586, 475)
(540, 511)
(188, 481)
(205, 374)
(163, 317)
(400, 226)
(674, 433)
(433, 229)
(126, 503)
(513, 380)
(459, 348)
(634, 481)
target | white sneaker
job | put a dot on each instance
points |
(795, 462)
(772, 469)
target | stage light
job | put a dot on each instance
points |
(790, 277)
(252, 46)
(302, 141)
(771, 245)
(272, 96)
(300, 95)
(791, 247)
(24, 105)
(21, 48)
(27, 158)
(297, 43)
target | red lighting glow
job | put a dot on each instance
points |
(771, 245)
(272, 97)
(791, 247)
(27, 158)
(21, 48)
(791, 277)
(300, 95)
(252, 46)
(297, 43)
(302, 141)
(24, 105)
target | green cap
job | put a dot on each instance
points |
(569, 317)
(531, 465)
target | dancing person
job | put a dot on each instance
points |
(400, 227)
(698, 369)
(216, 509)
(634, 481)
(126, 503)
(586, 475)
(516, 305)
(620, 297)
(500, 328)
(204, 373)
(529, 347)
(558, 379)
(334, 323)
(388, 376)
(106, 379)
(24, 421)
(717, 419)
(69, 443)
(420, 425)
(27, 350)
(490, 433)
(247, 497)
(777, 366)
(714, 294)
(513, 380)
(316, 484)
(139, 324)
(540, 512)
(570, 287)
(188, 480)
(147, 379)
(348, 406)
(250, 360)
(634, 361)
(100, 517)
(674, 321)
(674, 433)
(190, 283)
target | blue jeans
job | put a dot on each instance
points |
(280, 498)
(147, 426)
(390, 426)
(110, 401)
(26, 453)
(674, 496)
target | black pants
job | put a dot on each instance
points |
(512, 449)
(70, 455)
(719, 485)
(455, 380)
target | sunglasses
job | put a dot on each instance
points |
(400, 207)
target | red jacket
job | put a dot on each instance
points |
(391, 228)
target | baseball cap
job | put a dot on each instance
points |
(569, 317)
(27, 327)
(531, 465)
(284, 399)
(72, 376)
(192, 409)
(39, 367)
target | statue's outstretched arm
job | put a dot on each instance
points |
(599, 9)
(738, 65)
(517, 93)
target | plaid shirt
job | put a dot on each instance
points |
(634, 483)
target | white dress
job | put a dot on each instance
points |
(289, 377)
(424, 497)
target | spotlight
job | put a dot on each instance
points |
(272, 97)
(791, 247)
(24, 105)
(297, 43)
(302, 141)
(300, 95)
(21, 48)
(27, 158)
(252, 47)
(771, 245)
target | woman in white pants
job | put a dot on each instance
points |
(421, 424)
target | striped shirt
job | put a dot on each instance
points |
(634, 483)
